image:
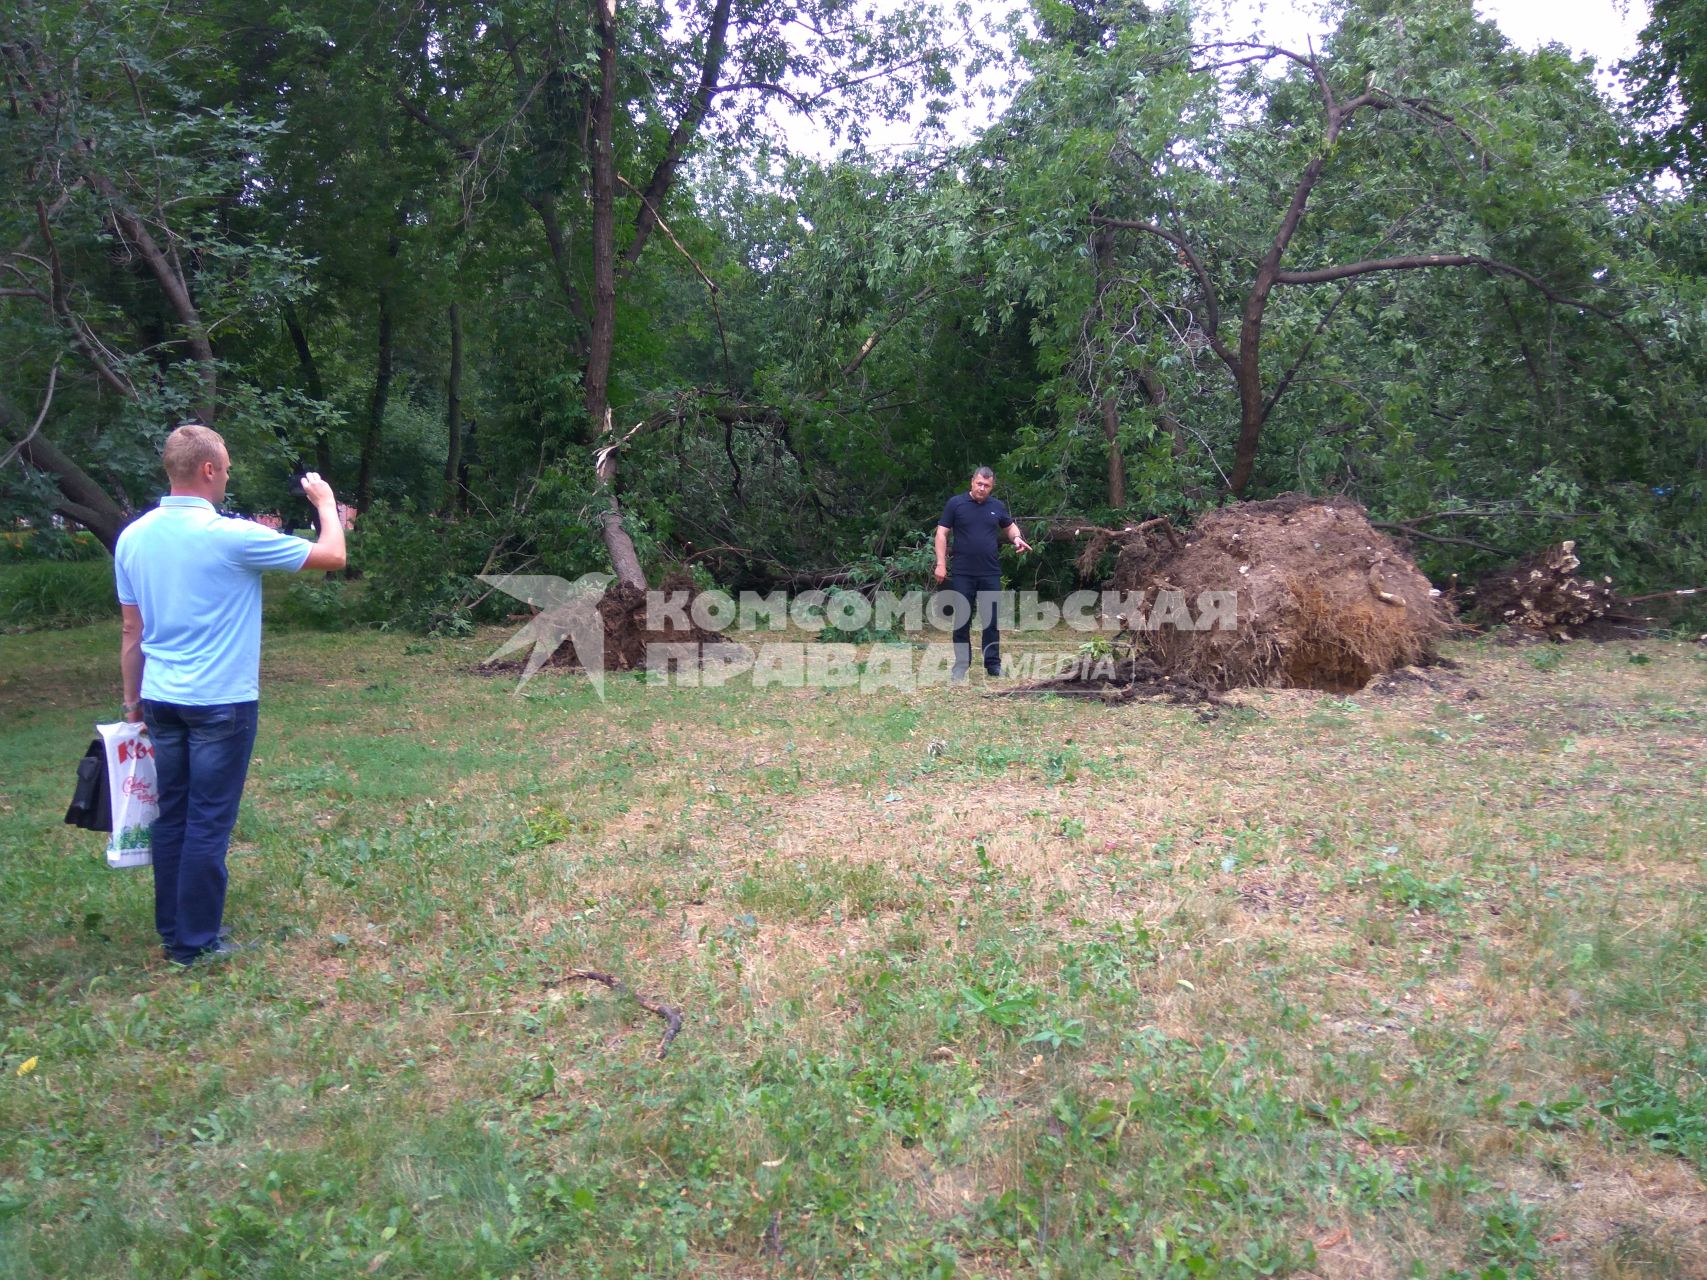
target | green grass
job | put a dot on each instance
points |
(40, 595)
(1379, 985)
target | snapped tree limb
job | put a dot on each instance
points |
(669, 1013)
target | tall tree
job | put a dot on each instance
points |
(597, 109)
(114, 213)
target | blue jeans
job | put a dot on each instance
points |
(201, 758)
(979, 590)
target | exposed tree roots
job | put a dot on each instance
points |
(1544, 595)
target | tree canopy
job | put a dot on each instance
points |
(557, 284)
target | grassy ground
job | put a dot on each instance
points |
(1395, 984)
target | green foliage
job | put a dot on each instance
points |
(419, 571)
(319, 603)
(1656, 1097)
(842, 603)
(21, 546)
(1667, 79)
(1404, 887)
(43, 595)
(819, 351)
(1510, 1239)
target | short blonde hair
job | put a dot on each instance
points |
(187, 448)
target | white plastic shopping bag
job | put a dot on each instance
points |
(130, 780)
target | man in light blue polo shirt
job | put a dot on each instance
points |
(189, 584)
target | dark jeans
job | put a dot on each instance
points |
(970, 587)
(201, 758)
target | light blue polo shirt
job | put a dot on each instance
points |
(196, 577)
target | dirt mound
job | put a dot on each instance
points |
(622, 609)
(1324, 601)
(1544, 595)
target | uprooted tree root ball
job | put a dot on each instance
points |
(627, 634)
(1324, 600)
(1544, 595)
(626, 628)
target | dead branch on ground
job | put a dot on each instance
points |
(672, 1016)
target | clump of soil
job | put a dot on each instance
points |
(1324, 600)
(623, 611)
(1441, 678)
(1545, 596)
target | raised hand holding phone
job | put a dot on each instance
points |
(318, 492)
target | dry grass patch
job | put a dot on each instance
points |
(1602, 1200)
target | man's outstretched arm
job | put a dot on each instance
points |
(1014, 536)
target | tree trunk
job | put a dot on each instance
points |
(453, 414)
(470, 450)
(1247, 373)
(313, 385)
(1157, 395)
(381, 392)
(623, 557)
(168, 274)
(546, 207)
(1110, 407)
(602, 335)
(1248, 378)
(81, 497)
(1116, 460)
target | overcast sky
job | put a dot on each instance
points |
(1603, 29)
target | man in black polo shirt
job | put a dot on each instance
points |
(979, 524)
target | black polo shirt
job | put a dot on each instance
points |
(973, 528)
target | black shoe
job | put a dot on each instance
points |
(995, 673)
(223, 949)
(166, 947)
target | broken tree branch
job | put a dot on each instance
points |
(672, 1016)
(682, 136)
(710, 284)
(15, 450)
(1673, 594)
(1205, 287)
(1068, 529)
(1411, 531)
(1493, 266)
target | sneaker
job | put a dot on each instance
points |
(957, 676)
(995, 673)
